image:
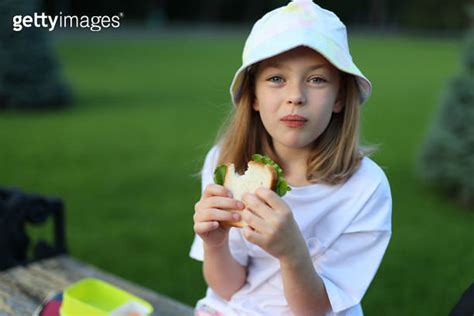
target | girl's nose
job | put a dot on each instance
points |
(296, 96)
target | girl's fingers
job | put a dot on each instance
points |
(213, 214)
(255, 222)
(257, 206)
(271, 198)
(253, 236)
(215, 189)
(205, 227)
(220, 202)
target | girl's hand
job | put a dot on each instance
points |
(272, 226)
(210, 210)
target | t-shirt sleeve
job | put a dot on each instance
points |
(237, 245)
(348, 266)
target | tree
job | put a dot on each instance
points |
(29, 76)
(447, 156)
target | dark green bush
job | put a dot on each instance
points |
(29, 74)
(447, 155)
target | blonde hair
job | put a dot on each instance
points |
(335, 155)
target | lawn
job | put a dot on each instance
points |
(125, 159)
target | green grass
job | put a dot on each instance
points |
(124, 159)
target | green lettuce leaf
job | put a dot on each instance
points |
(281, 186)
(219, 174)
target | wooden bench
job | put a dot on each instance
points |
(23, 289)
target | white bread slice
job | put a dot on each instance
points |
(256, 176)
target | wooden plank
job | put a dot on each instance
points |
(23, 289)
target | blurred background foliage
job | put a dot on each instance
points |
(148, 101)
(29, 73)
(447, 155)
(432, 15)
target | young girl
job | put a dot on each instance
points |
(315, 251)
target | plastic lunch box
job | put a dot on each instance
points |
(95, 297)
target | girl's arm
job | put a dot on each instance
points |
(273, 228)
(222, 272)
(304, 290)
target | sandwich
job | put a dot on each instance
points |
(261, 172)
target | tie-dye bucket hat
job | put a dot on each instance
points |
(300, 23)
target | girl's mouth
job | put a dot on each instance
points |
(294, 120)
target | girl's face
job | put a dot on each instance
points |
(296, 94)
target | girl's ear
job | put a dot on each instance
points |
(255, 105)
(338, 105)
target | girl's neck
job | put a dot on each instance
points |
(294, 164)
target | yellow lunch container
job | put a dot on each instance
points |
(93, 297)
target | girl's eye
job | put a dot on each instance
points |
(317, 80)
(275, 79)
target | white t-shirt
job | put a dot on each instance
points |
(346, 227)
